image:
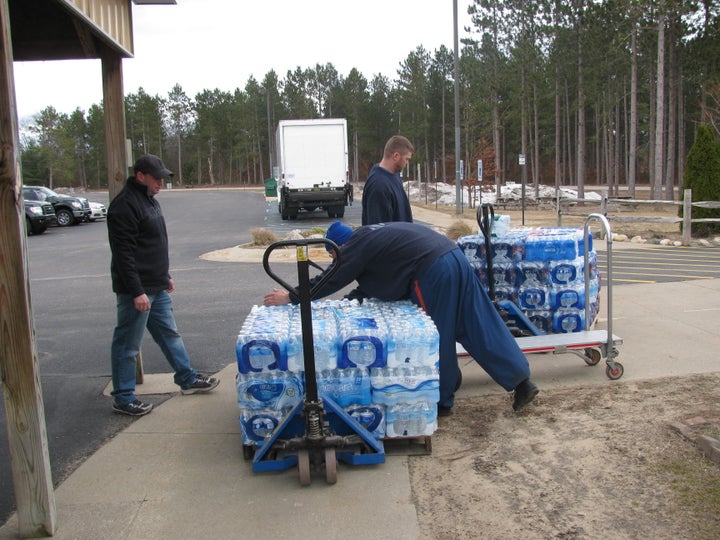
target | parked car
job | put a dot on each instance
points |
(97, 211)
(68, 209)
(39, 215)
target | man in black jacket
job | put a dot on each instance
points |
(141, 280)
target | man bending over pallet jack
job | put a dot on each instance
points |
(396, 261)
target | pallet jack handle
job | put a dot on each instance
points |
(305, 292)
(485, 219)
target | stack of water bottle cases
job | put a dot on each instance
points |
(541, 271)
(377, 360)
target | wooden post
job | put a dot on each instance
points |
(114, 109)
(27, 436)
(115, 152)
(687, 217)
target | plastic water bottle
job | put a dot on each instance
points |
(277, 390)
(261, 352)
(536, 298)
(371, 417)
(571, 295)
(505, 275)
(549, 245)
(363, 343)
(541, 319)
(472, 246)
(256, 426)
(533, 273)
(567, 271)
(567, 320)
(325, 348)
(506, 293)
(411, 420)
(345, 387)
(405, 385)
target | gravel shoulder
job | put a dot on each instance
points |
(584, 462)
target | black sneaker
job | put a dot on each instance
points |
(444, 411)
(134, 408)
(525, 392)
(203, 383)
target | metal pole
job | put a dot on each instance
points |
(269, 128)
(524, 181)
(458, 178)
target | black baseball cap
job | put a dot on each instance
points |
(152, 165)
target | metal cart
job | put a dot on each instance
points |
(317, 432)
(590, 345)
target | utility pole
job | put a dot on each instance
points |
(458, 177)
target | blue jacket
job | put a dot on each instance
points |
(138, 241)
(384, 199)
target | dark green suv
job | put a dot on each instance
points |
(69, 210)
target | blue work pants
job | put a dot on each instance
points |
(452, 295)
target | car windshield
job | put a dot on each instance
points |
(48, 192)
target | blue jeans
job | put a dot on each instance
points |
(128, 336)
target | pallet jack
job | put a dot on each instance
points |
(590, 345)
(317, 432)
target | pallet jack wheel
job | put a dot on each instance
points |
(592, 356)
(614, 370)
(331, 470)
(304, 467)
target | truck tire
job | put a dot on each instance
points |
(282, 208)
(336, 211)
(30, 229)
(64, 217)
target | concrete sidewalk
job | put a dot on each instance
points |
(179, 472)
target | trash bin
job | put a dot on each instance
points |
(271, 187)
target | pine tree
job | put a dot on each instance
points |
(702, 176)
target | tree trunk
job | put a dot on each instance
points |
(659, 106)
(558, 132)
(672, 118)
(632, 143)
(580, 154)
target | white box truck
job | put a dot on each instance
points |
(312, 160)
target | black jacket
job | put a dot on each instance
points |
(138, 242)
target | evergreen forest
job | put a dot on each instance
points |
(589, 92)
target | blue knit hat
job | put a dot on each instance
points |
(338, 233)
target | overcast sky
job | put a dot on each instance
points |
(209, 44)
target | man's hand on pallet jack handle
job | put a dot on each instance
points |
(276, 297)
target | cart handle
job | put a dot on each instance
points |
(609, 242)
(485, 219)
(302, 256)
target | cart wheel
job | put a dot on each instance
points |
(592, 356)
(614, 370)
(304, 467)
(331, 471)
(248, 451)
